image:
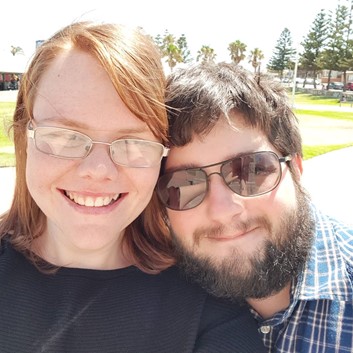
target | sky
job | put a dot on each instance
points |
(257, 23)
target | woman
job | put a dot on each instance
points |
(80, 261)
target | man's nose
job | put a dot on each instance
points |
(222, 203)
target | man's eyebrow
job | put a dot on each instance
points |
(182, 167)
(81, 125)
(196, 166)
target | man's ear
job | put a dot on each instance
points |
(297, 163)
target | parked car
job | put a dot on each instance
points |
(13, 85)
(309, 81)
(349, 86)
(335, 85)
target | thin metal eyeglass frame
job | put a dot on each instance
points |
(31, 128)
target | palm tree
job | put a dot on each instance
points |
(170, 49)
(206, 54)
(237, 50)
(255, 58)
(16, 50)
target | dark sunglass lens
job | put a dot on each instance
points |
(182, 190)
(252, 174)
(266, 172)
(232, 174)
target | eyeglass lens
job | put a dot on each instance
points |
(63, 143)
(139, 153)
(67, 143)
(249, 175)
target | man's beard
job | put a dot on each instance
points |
(269, 270)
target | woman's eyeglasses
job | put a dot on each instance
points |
(70, 144)
(249, 175)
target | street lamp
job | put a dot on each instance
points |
(294, 81)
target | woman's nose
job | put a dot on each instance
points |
(98, 164)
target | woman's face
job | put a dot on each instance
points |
(88, 202)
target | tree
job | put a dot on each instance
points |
(169, 49)
(283, 54)
(313, 45)
(336, 49)
(206, 54)
(345, 61)
(255, 58)
(237, 51)
(16, 50)
(184, 49)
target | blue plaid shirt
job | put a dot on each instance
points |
(319, 318)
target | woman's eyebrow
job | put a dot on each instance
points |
(70, 123)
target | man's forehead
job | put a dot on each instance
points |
(216, 147)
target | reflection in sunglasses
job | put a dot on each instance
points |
(190, 195)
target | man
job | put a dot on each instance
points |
(241, 221)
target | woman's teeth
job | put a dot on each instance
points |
(90, 201)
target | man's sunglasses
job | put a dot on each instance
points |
(249, 175)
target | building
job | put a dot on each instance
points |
(11, 69)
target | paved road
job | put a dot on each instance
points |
(7, 183)
(329, 179)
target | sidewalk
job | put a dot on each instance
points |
(7, 184)
(8, 96)
(328, 178)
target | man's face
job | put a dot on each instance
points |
(238, 246)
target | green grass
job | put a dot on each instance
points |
(6, 114)
(7, 160)
(326, 114)
(305, 98)
(313, 151)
